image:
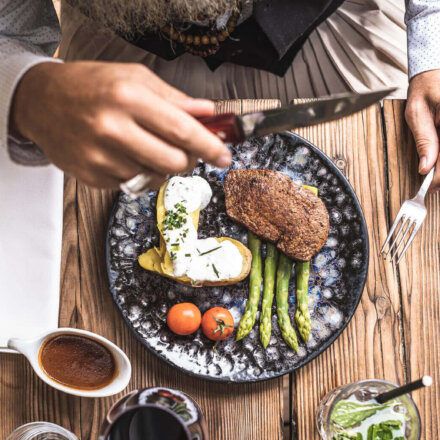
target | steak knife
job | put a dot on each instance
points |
(233, 128)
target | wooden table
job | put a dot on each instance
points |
(394, 335)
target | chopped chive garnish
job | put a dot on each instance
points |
(187, 255)
(211, 250)
(197, 250)
(175, 218)
(216, 271)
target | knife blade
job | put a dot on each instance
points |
(234, 128)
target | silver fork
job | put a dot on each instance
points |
(411, 216)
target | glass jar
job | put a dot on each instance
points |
(155, 413)
(41, 431)
(365, 391)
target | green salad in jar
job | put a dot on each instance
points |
(352, 419)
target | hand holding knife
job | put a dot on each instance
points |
(234, 128)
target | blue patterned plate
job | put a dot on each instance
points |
(337, 277)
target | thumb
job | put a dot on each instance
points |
(421, 122)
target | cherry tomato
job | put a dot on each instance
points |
(217, 324)
(184, 318)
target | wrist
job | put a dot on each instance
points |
(25, 98)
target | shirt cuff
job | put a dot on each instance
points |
(12, 70)
(423, 42)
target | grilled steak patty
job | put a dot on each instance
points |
(276, 209)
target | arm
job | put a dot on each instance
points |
(423, 106)
(101, 122)
(29, 35)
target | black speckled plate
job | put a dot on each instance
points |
(337, 277)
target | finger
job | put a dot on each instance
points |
(149, 151)
(155, 180)
(111, 167)
(197, 107)
(421, 122)
(177, 127)
(435, 185)
(127, 172)
(88, 170)
(97, 179)
(162, 88)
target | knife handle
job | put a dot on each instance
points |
(227, 126)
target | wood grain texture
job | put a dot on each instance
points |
(419, 270)
(394, 334)
(371, 344)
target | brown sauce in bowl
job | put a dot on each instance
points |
(77, 362)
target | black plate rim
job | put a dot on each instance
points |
(301, 364)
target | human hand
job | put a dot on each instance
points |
(422, 114)
(106, 122)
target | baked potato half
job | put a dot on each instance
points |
(157, 259)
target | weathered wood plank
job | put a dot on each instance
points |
(13, 371)
(370, 345)
(419, 270)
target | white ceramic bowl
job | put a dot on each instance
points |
(31, 349)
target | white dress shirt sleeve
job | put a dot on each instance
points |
(29, 34)
(422, 19)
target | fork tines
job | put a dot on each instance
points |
(410, 218)
(407, 225)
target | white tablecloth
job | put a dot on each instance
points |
(31, 214)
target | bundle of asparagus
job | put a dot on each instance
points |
(281, 266)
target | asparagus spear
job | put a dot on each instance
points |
(282, 295)
(302, 315)
(248, 319)
(270, 268)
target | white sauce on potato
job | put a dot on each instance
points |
(199, 260)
